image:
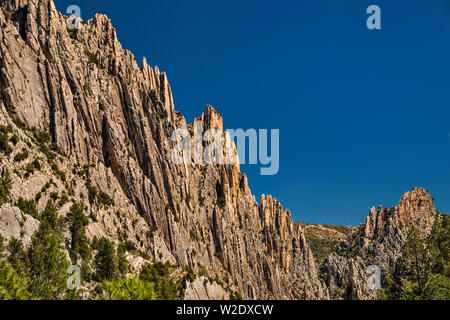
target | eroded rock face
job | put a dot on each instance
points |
(16, 224)
(203, 289)
(110, 124)
(378, 242)
(113, 122)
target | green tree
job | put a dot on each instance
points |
(159, 274)
(78, 222)
(423, 270)
(129, 289)
(2, 246)
(12, 286)
(28, 207)
(48, 266)
(413, 268)
(106, 261)
(439, 244)
(154, 272)
(5, 186)
(122, 260)
(437, 288)
(49, 219)
(18, 257)
(4, 144)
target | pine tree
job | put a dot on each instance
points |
(439, 244)
(78, 221)
(18, 257)
(2, 246)
(129, 289)
(49, 218)
(12, 286)
(413, 269)
(5, 185)
(47, 262)
(122, 260)
(106, 261)
(158, 273)
(48, 267)
(437, 288)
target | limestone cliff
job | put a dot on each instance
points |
(81, 122)
(110, 123)
(377, 242)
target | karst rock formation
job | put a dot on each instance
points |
(110, 124)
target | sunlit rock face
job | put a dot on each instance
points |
(112, 122)
(109, 126)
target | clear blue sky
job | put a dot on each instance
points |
(364, 116)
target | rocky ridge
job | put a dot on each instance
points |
(376, 242)
(87, 124)
(110, 124)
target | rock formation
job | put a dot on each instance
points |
(110, 125)
(377, 242)
(82, 122)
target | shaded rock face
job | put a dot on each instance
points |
(115, 119)
(377, 242)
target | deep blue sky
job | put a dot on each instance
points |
(363, 115)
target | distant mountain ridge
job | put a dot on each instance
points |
(324, 239)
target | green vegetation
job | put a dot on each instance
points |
(323, 239)
(5, 186)
(122, 260)
(4, 141)
(17, 256)
(321, 248)
(77, 222)
(235, 296)
(19, 123)
(49, 217)
(129, 289)
(437, 288)
(423, 270)
(50, 149)
(32, 167)
(12, 286)
(2, 246)
(106, 261)
(14, 139)
(159, 275)
(94, 59)
(221, 202)
(48, 266)
(28, 207)
(23, 155)
(353, 246)
(40, 271)
(219, 255)
(105, 200)
(99, 198)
